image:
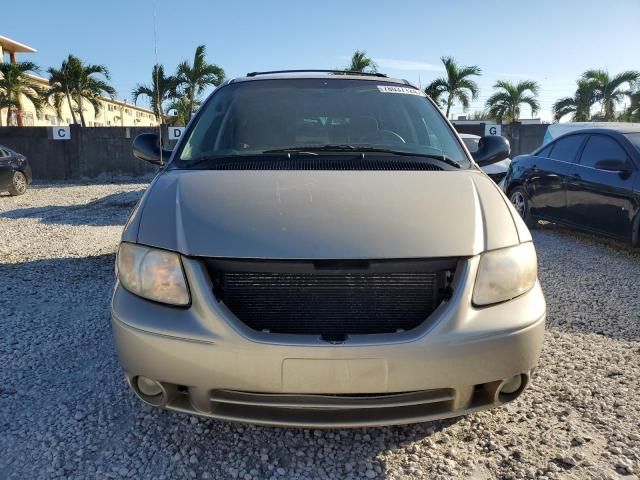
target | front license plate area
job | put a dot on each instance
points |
(303, 375)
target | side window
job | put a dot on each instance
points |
(545, 151)
(601, 147)
(566, 149)
(3, 153)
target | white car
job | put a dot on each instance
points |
(497, 171)
(557, 129)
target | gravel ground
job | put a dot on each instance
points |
(66, 412)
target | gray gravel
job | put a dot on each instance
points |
(65, 410)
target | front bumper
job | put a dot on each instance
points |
(211, 364)
(28, 173)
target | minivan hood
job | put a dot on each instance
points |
(324, 214)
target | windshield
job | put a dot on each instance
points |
(256, 117)
(635, 139)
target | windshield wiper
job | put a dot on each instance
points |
(363, 149)
(316, 148)
(206, 158)
(311, 150)
(211, 158)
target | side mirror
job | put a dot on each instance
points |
(146, 146)
(491, 149)
(612, 165)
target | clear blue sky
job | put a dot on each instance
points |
(548, 41)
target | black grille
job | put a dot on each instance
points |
(328, 163)
(332, 300)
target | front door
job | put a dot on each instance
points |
(6, 171)
(602, 200)
(547, 180)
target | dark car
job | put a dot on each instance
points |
(15, 172)
(588, 179)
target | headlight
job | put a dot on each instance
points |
(506, 273)
(152, 273)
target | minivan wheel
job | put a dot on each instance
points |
(520, 201)
(18, 183)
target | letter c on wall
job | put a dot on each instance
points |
(60, 133)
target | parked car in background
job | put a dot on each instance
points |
(321, 251)
(15, 172)
(497, 171)
(588, 179)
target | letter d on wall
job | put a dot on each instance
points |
(61, 133)
(175, 133)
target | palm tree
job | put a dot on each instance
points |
(56, 100)
(79, 81)
(632, 112)
(361, 63)
(16, 84)
(61, 87)
(634, 108)
(195, 77)
(88, 87)
(579, 106)
(504, 105)
(457, 84)
(4, 103)
(162, 89)
(608, 90)
(435, 93)
(480, 115)
(180, 107)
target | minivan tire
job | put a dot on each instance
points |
(18, 184)
(520, 201)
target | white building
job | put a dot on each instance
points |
(113, 113)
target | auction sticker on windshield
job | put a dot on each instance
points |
(404, 90)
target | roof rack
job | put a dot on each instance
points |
(343, 72)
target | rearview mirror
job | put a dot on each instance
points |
(146, 146)
(491, 149)
(612, 165)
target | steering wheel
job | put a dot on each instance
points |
(384, 135)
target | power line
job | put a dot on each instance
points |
(155, 52)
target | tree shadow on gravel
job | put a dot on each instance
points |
(110, 210)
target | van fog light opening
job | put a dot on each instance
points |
(150, 391)
(512, 387)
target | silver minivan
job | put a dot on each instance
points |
(321, 250)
